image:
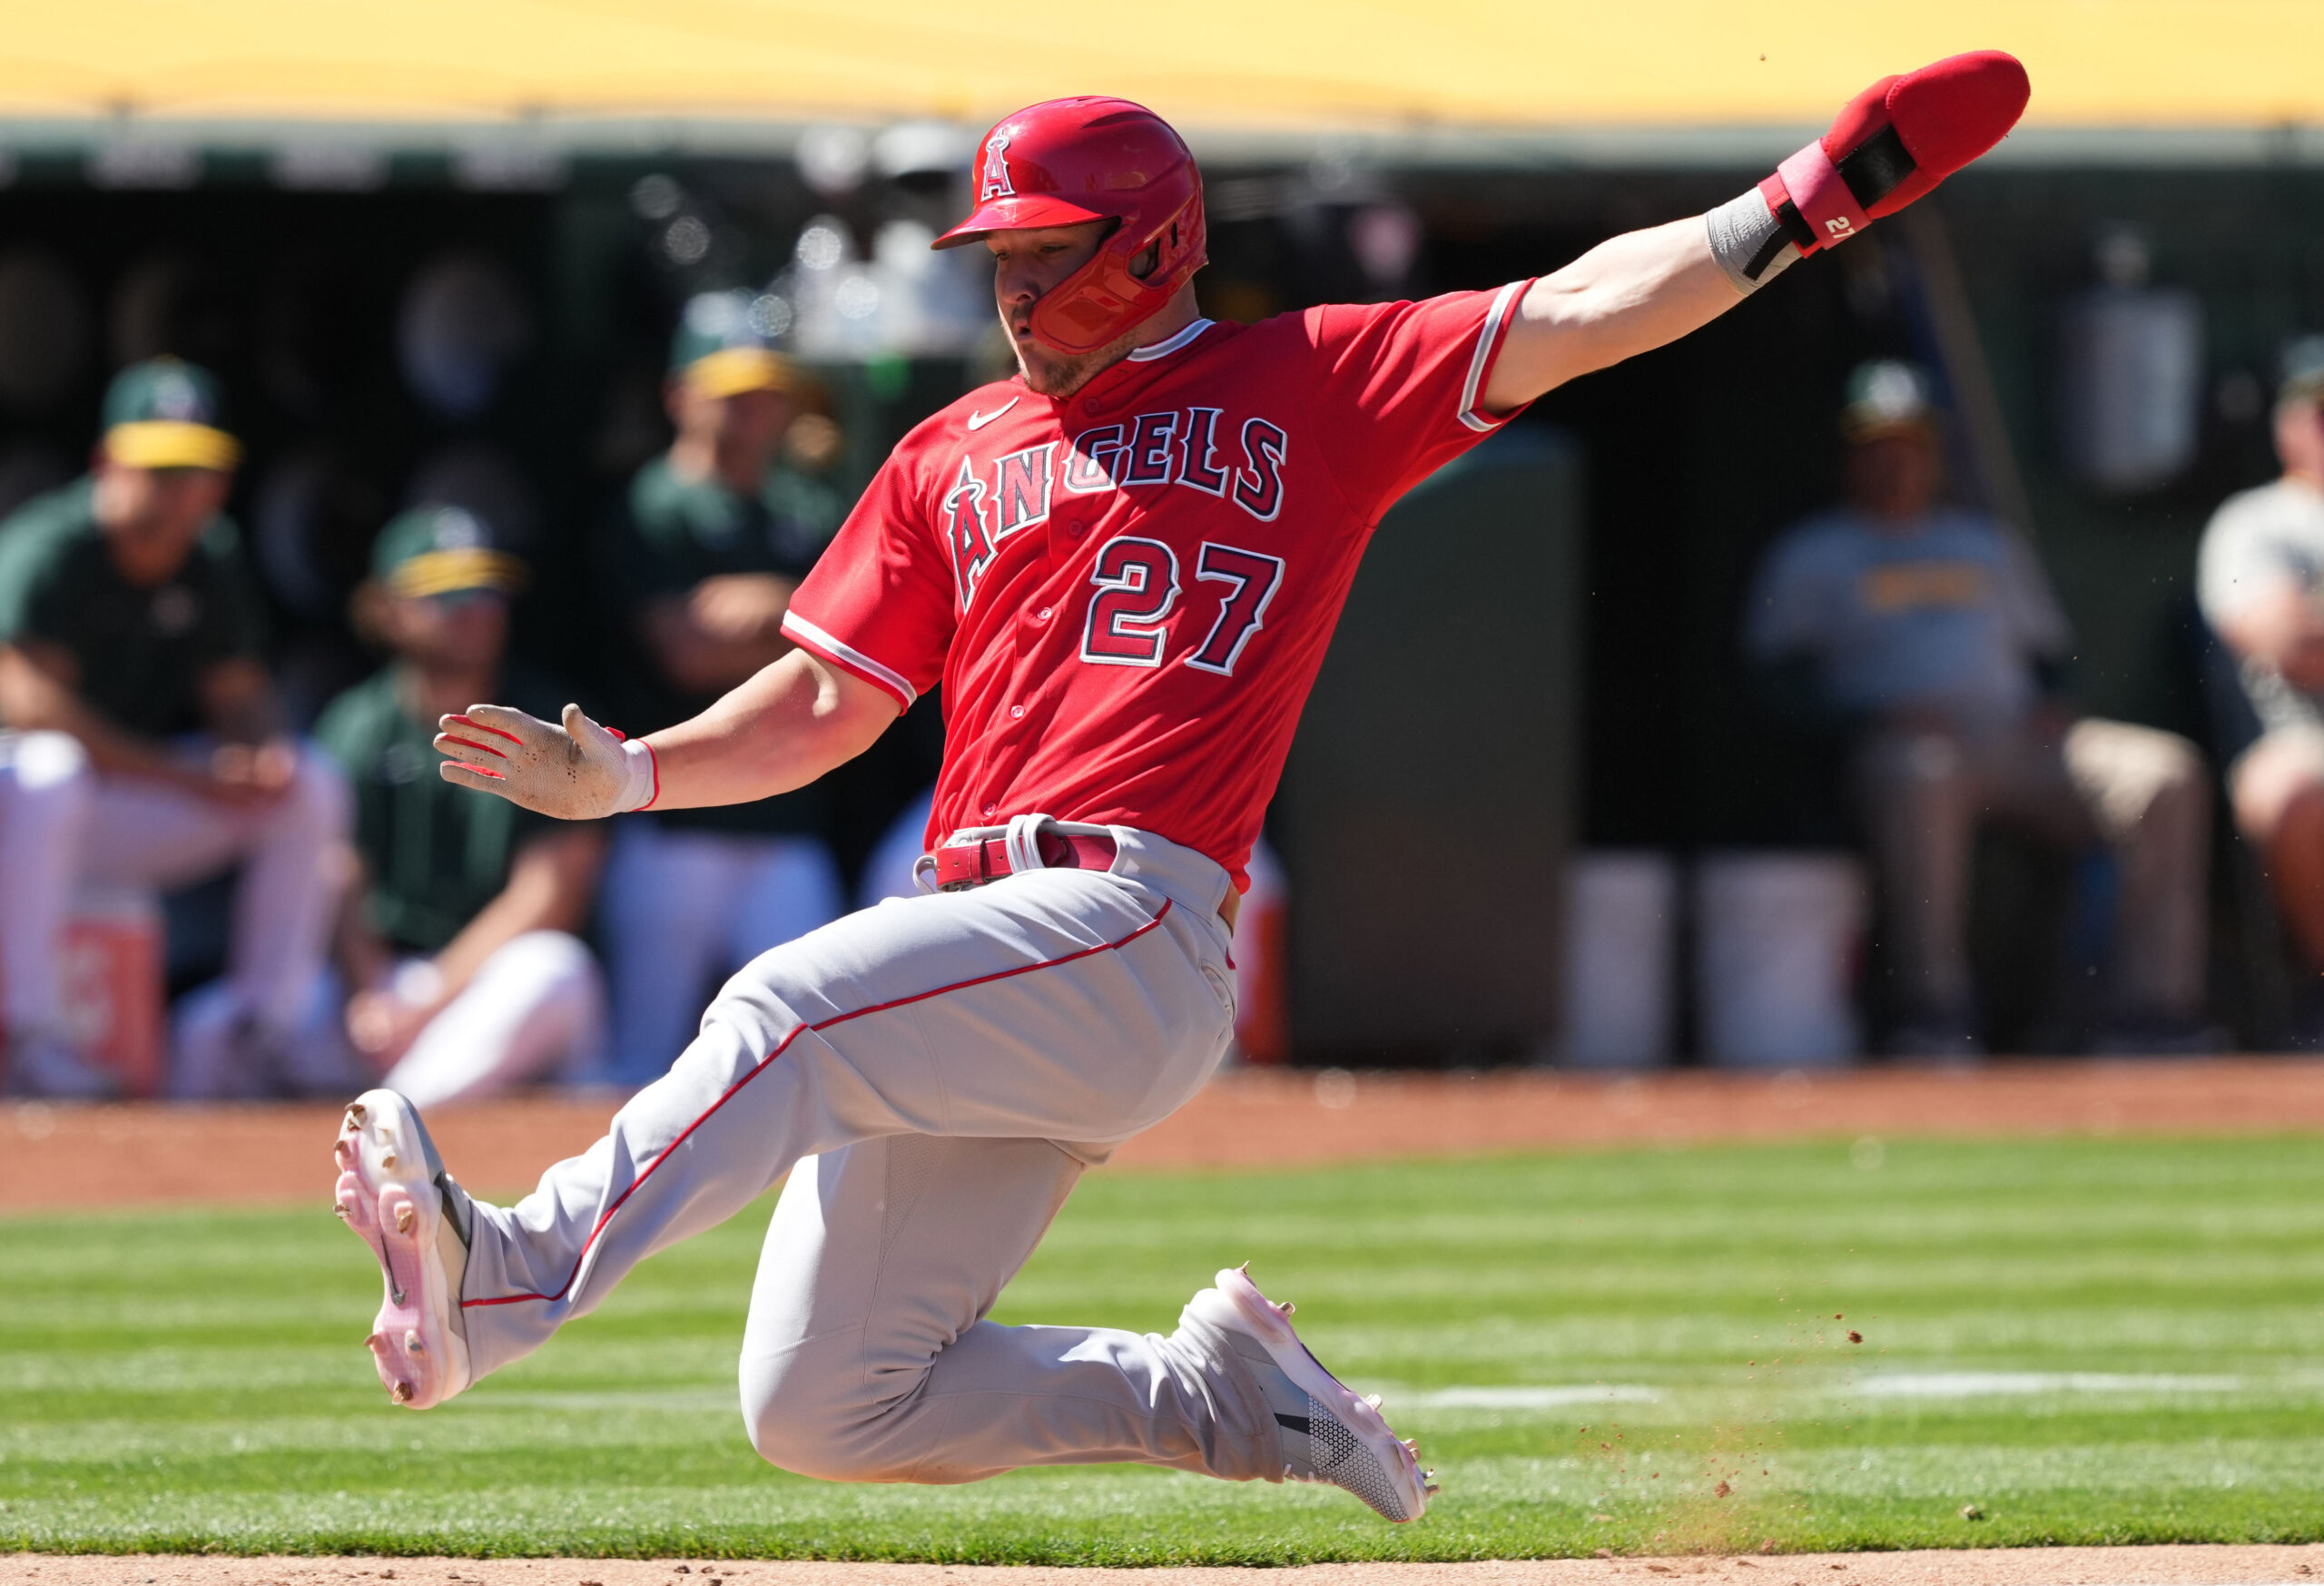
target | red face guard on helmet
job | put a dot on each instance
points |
(1067, 161)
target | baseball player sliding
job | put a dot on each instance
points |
(1123, 564)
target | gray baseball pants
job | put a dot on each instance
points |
(934, 1073)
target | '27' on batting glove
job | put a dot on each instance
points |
(577, 771)
(1895, 142)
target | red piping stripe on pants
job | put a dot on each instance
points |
(735, 1089)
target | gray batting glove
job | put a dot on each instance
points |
(577, 772)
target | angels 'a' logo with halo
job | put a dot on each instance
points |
(996, 182)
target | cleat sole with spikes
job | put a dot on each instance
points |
(390, 1201)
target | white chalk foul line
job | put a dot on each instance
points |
(1516, 1396)
(1945, 1384)
(1976, 1384)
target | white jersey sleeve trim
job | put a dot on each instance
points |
(1164, 349)
(1504, 304)
(801, 632)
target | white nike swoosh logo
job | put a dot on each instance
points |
(979, 420)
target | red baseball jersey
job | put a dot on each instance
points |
(1126, 594)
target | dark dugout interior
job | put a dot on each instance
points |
(1684, 463)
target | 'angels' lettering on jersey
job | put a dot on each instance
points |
(994, 498)
(1126, 594)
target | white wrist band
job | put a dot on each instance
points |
(644, 782)
(1748, 243)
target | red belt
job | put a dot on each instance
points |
(971, 864)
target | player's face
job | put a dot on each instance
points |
(1894, 476)
(463, 631)
(1027, 266)
(742, 429)
(151, 517)
(751, 420)
(2299, 439)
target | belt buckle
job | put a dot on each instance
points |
(970, 882)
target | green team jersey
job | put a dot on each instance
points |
(672, 534)
(143, 653)
(436, 854)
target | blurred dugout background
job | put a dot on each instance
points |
(419, 284)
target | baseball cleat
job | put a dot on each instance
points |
(1330, 1433)
(394, 1193)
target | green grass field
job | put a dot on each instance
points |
(2083, 1341)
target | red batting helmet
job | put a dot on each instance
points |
(1068, 161)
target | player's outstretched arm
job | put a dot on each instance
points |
(1893, 142)
(795, 720)
(1626, 296)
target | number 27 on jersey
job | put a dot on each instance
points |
(1138, 585)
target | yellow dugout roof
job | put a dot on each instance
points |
(1382, 64)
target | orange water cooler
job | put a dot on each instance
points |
(111, 963)
(1262, 990)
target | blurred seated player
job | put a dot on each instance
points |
(129, 651)
(2261, 582)
(1926, 635)
(713, 538)
(460, 940)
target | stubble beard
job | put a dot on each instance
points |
(1048, 372)
(1060, 375)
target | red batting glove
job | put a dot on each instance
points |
(1894, 142)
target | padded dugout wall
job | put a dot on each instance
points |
(1428, 805)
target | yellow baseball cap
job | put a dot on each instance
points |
(724, 348)
(164, 414)
(443, 550)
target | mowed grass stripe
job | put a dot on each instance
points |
(194, 1379)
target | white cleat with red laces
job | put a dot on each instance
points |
(394, 1193)
(1330, 1434)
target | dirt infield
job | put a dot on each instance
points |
(2150, 1566)
(55, 1156)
